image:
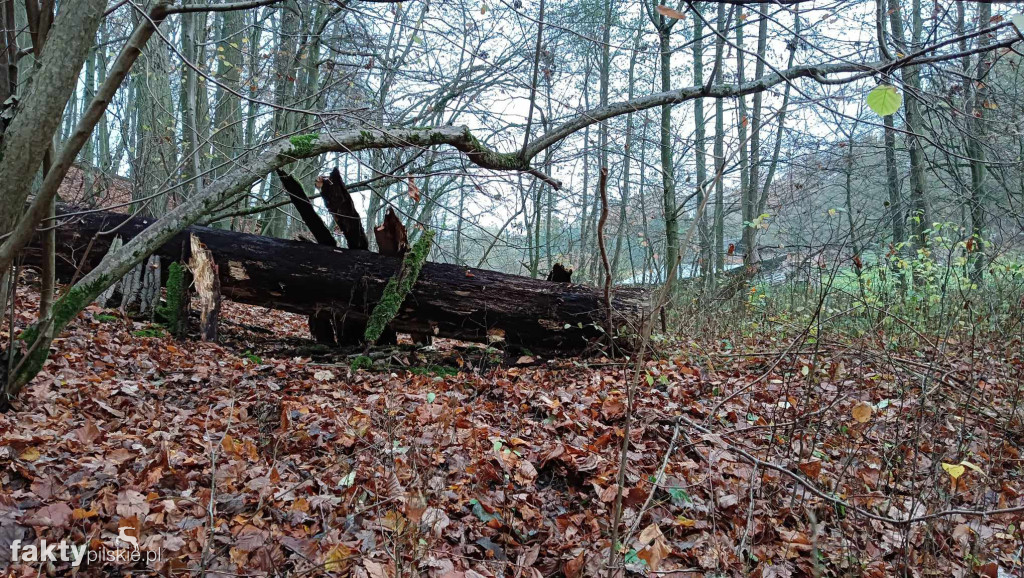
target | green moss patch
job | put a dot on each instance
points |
(302, 144)
(397, 288)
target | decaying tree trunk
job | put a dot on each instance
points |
(205, 272)
(149, 297)
(447, 300)
(327, 326)
(109, 293)
(306, 210)
(343, 209)
(391, 238)
(560, 274)
(321, 323)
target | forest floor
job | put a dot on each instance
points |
(262, 456)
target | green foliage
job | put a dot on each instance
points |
(253, 357)
(106, 317)
(397, 288)
(171, 312)
(900, 292)
(680, 496)
(884, 99)
(154, 331)
(361, 362)
(302, 144)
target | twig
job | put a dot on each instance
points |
(657, 481)
(821, 494)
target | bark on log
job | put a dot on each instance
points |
(447, 300)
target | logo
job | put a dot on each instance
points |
(44, 552)
(122, 536)
(126, 552)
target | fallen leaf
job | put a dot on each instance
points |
(574, 568)
(54, 516)
(812, 468)
(954, 470)
(862, 412)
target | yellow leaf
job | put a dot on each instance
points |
(685, 522)
(30, 455)
(337, 557)
(862, 412)
(954, 470)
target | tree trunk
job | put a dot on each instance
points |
(227, 129)
(37, 117)
(919, 221)
(448, 300)
(700, 152)
(668, 178)
(977, 140)
(719, 223)
(746, 201)
(626, 157)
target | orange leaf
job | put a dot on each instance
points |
(574, 568)
(669, 12)
(862, 412)
(812, 469)
(414, 191)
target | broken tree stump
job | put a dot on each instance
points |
(559, 274)
(339, 202)
(304, 207)
(321, 323)
(391, 238)
(206, 274)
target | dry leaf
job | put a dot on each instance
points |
(414, 191)
(862, 412)
(669, 12)
(574, 568)
(812, 468)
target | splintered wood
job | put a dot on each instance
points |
(207, 283)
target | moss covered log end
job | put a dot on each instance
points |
(172, 313)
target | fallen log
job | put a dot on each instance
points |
(447, 301)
